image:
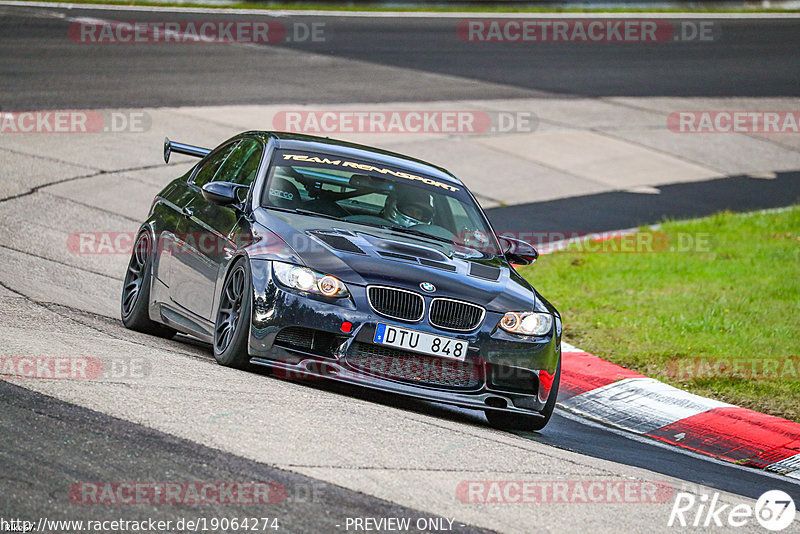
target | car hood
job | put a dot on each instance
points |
(367, 255)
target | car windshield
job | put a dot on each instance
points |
(376, 194)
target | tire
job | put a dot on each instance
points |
(135, 301)
(513, 421)
(232, 325)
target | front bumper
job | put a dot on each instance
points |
(494, 355)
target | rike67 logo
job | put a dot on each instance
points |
(775, 510)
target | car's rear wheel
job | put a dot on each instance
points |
(231, 327)
(135, 303)
(513, 421)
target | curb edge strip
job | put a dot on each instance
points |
(606, 392)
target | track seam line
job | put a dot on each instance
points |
(755, 136)
(422, 469)
(49, 305)
(721, 173)
(60, 263)
(48, 158)
(608, 134)
(96, 208)
(660, 151)
(548, 166)
(40, 187)
(100, 172)
(43, 304)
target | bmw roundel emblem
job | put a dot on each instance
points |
(427, 287)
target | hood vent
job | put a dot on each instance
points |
(396, 256)
(484, 271)
(339, 243)
(344, 231)
(438, 265)
(424, 261)
(395, 247)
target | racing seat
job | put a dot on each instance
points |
(283, 193)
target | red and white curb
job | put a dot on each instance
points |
(619, 397)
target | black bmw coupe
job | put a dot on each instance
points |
(323, 259)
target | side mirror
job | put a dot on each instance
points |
(518, 251)
(222, 193)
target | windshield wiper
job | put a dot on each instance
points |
(302, 211)
(398, 229)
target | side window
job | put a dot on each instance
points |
(209, 167)
(242, 163)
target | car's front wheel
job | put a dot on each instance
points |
(232, 325)
(512, 421)
(135, 304)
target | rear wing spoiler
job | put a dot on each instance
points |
(180, 148)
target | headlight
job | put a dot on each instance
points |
(305, 279)
(527, 323)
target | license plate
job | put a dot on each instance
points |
(420, 342)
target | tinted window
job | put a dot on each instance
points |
(210, 166)
(375, 194)
(242, 163)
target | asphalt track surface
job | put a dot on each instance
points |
(376, 60)
(40, 68)
(97, 444)
(616, 210)
(68, 443)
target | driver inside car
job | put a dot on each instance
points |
(409, 206)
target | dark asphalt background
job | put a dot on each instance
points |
(617, 210)
(40, 67)
(49, 444)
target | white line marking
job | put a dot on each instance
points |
(578, 418)
(790, 466)
(640, 404)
